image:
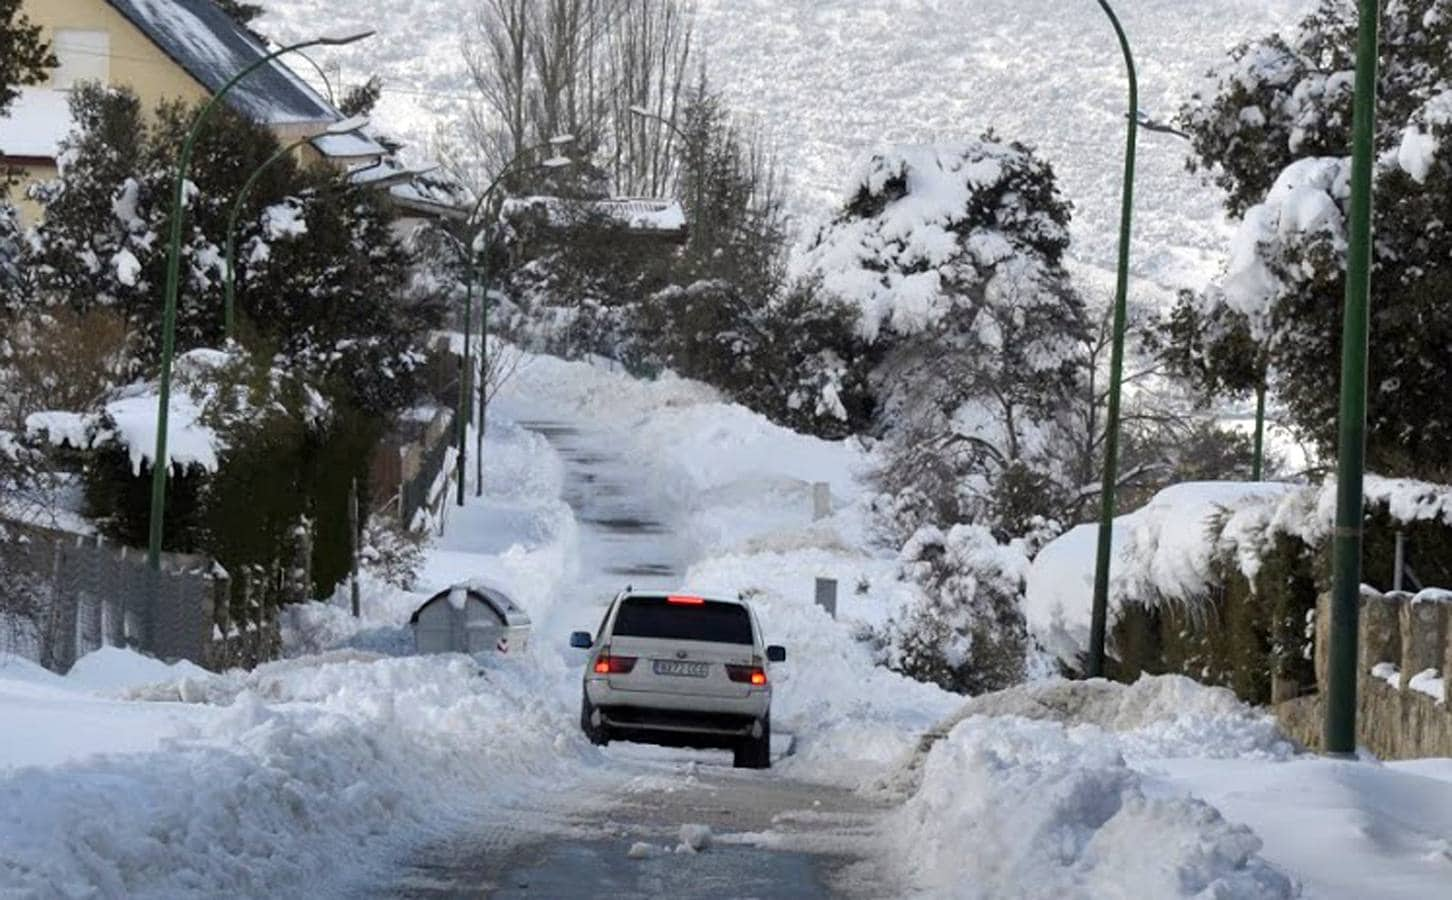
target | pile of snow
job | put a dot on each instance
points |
(112, 669)
(1023, 808)
(1156, 717)
(328, 773)
(1162, 551)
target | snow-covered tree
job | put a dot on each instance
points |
(1276, 131)
(953, 258)
(967, 631)
(1288, 97)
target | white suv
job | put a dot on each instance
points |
(681, 670)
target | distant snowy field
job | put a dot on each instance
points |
(830, 80)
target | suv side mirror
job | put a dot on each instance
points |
(581, 640)
(775, 653)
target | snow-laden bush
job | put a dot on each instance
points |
(952, 256)
(967, 632)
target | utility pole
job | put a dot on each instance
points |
(1340, 734)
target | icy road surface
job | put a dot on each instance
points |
(769, 837)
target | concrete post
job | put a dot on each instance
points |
(1424, 638)
(1381, 631)
(827, 595)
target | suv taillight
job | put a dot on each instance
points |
(747, 674)
(606, 664)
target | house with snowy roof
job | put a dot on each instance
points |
(162, 50)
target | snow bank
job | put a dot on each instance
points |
(320, 781)
(115, 669)
(1160, 551)
(1166, 716)
(1016, 808)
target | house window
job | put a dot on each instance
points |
(84, 55)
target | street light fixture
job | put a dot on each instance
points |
(229, 275)
(471, 271)
(159, 463)
(1100, 612)
(1257, 461)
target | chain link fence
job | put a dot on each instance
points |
(64, 595)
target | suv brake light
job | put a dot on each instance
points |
(747, 674)
(614, 665)
(680, 600)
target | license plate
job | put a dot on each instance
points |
(675, 667)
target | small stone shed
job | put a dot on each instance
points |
(472, 619)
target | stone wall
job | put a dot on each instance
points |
(1403, 696)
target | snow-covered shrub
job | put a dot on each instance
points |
(967, 632)
(952, 256)
(391, 553)
(1273, 128)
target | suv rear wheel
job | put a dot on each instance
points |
(755, 753)
(599, 736)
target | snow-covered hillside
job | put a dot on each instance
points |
(832, 79)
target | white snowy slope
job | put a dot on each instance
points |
(830, 80)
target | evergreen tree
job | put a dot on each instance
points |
(24, 56)
(1284, 98)
(953, 258)
(1276, 130)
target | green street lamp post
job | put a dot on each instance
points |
(229, 275)
(471, 252)
(1100, 612)
(1340, 724)
(159, 464)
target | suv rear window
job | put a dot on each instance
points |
(657, 617)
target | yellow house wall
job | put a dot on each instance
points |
(136, 63)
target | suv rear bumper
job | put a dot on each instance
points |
(683, 714)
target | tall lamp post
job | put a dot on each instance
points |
(159, 464)
(471, 252)
(1340, 724)
(1100, 612)
(229, 275)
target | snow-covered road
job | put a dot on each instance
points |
(772, 836)
(356, 769)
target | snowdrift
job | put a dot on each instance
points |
(1030, 795)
